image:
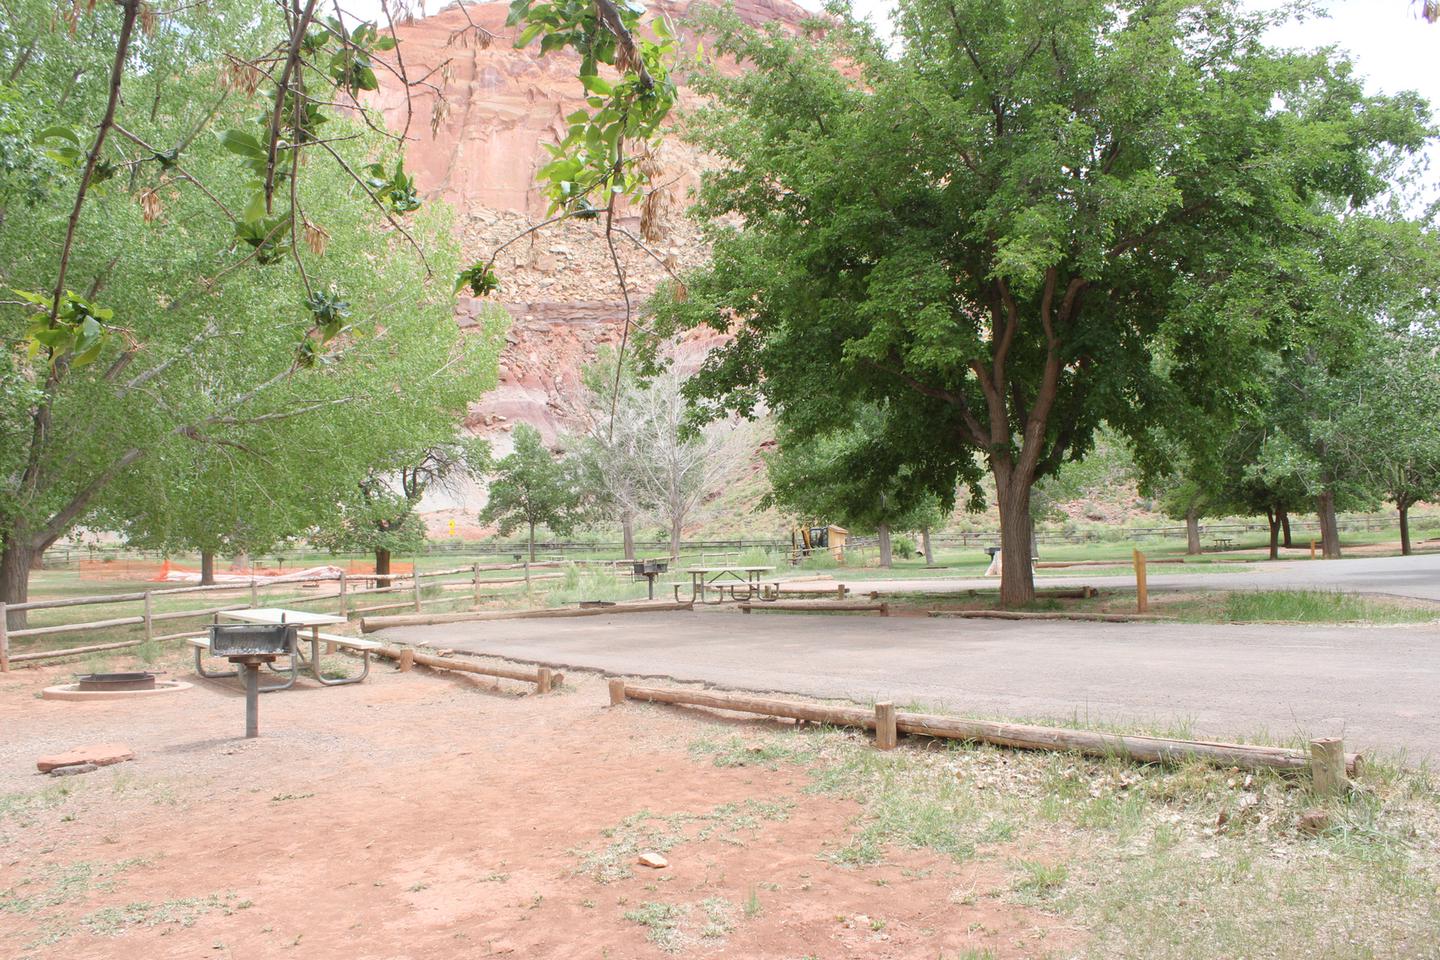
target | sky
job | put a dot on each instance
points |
(1386, 39)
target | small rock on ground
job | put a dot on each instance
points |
(74, 768)
(1313, 822)
(653, 860)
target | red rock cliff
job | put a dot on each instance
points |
(479, 149)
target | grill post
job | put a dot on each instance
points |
(252, 700)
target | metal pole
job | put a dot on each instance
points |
(149, 623)
(252, 700)
(344, 607)
(415, 582)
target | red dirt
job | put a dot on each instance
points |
(421, 816)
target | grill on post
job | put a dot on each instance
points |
(650, 569)
(248, 645)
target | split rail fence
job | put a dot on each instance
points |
(355, 595)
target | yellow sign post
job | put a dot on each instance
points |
(1142, 595)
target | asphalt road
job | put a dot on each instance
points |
(1376, 686)
(1417, 577)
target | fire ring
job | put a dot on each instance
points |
(72, 691)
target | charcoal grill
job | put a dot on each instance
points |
(650, 570)
(115, 681)
(247, 645)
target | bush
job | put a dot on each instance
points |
(903, 547)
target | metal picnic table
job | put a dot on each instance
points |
(309, 624)
(704, 577)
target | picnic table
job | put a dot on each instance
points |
(1223, 543)
(309, 624)
(701, 578)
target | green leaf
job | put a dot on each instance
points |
(241, 143)
(596, 84)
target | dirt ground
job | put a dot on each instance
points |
(427, 816)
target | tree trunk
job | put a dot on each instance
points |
(1017, 575)
(675, 529)
(887, 558)
(1404, 529)
(532, 541)
(1285, 527)
(925, 546)
(382, 565)
(1192, 532)
(1329, 527)
(37, 560)
(1273, 518)
(627, 532)
(15, 576)
(207, 567)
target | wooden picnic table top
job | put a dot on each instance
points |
(747, 569)
(301, 618)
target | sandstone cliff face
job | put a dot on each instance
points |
(479, 150)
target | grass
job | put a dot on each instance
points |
(662, 923)
(1221, 606)
(645, 831)
(1170, 863)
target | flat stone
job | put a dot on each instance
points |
(73, 769)
(653, 860)
(100, 754)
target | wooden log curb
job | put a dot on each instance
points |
(1057, 615)
(371, 624)
(544, 678)
(818, 606)
(1020, 736)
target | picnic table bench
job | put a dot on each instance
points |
(311, 624)
(1223, 543)
(702, 578)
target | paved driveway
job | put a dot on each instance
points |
(1377, 686)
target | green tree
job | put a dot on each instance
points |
(531, 487)
(204, 224)
(1389, 423)
(996, 227)
(848, 476)
(378, 514)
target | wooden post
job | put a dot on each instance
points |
(1142, 593)
(885, 734)
(415, 582)
(254, 592)
(546, 678)
(4, 640)
(885, 609)
(344, 599)
(407, 659)
(617, 692)
(1312, 549)
(149, 613)
(475, 580)
(1327, 767)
